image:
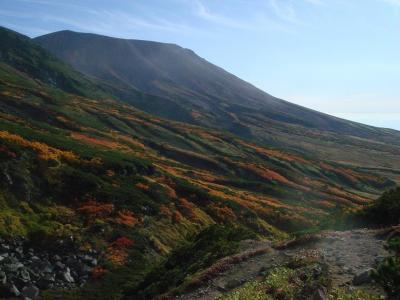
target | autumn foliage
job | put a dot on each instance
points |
(117, 250)
(6, 151)
(127, 218)
(122, 243)
(93, 210)
(44, 151)
(98, 272)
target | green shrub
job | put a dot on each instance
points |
(385, 210)
(388, 275)
(203, 250)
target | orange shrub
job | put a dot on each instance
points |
(117, 251)
(188, 208)
(94, 141)
(98, 272)
(126, 217)
(224, 213)
(44, 151)
(142, 186)
(165, 211)
(93, 209)
(117, 256)
(177, 217)
(110, 173)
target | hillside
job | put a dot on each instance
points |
(215, 98)
(121, 189)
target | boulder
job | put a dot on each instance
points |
(363, 277)
(3, 277)
(24, 275)
(14, 290)
(30, 292)
(67, 276)
(320, 294)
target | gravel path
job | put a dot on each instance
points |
(347, 253)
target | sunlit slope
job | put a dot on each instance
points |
(161, 169)
(80, 166)
(209, 96)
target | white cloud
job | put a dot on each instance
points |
(393, 2)
(284, 10)
(315, 2)
(203, 12)
(254, 19)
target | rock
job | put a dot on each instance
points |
(46, 267)
(379, 259)
(24, 275)
(24, 270)
(30, 292)
(231, 284)
(317, 271)
(14, 290)
(3, 256)
(319, 294)
(3, 277)
(34, 258)
(84, 270)
(363, 277)
(13, 268)
(263, 271)
(94, 262)
(47, 281)
(19, 250)
(59, 265)
(56, 258)
(67, 276)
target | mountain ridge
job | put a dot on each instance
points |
(150, 201)
(209, 96)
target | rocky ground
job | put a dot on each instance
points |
(24, 271)
(349, 255)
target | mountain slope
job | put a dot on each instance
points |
(215, 98)
(102, 175)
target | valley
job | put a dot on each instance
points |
(138, 175)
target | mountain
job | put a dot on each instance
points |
(215, 98)
(119, 195)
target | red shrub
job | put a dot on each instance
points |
(92, 208)
(122, 243)
(98, 272)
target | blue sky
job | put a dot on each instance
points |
(341, 57)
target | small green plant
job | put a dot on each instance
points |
(394, 245)
(357, 294)
(386, 210)
(388, 275)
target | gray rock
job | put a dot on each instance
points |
(379, 259)
(24, 275)
(363, 277)
(46, 281)
(19, 250)
(67, 276)
(3, 256)
(59, 265)
(94, 262)
(231, 284)
(14, 290)
(13, 268)
(84, 270)
(30, 292)
(320, 294)
(3, 277)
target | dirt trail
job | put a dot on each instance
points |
(346, 253)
